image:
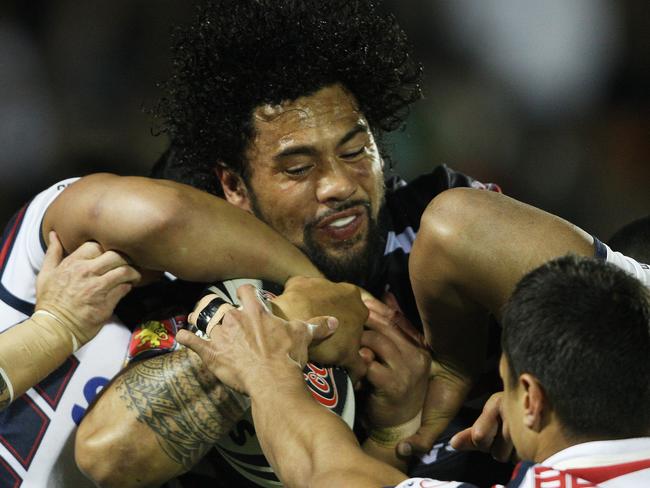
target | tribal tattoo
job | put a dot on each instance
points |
(182, 403)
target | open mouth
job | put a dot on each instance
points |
(344, 225)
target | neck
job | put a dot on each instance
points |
(554, 439)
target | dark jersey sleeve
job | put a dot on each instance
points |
(406, 202)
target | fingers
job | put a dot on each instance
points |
(107, 261)
(366, 354)
(121, 274)
(479, 436)
(88, 250)
(419, 443)
(54, 253)
(118, 292)
(389, 299)
(393, 323)
(357, 368)
(379, 375)
(193, 342)
(249, 300)
(320, 328)
(487, 434)
(462, 441)
(382, 347)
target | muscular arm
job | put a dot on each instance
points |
(166, 226)
(171, 410)
(472, 248)
(322, 449)
(168, 411)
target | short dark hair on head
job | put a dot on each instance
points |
(240, 54)
(582, 327)
(633, 240)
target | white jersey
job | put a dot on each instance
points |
(37, 430)
(622, 463)
(639, 270)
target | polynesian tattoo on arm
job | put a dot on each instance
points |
(182, 402)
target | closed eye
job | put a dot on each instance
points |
(354, 154)
(298, 170)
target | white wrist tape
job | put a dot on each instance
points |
(390, 436)
(75, 343)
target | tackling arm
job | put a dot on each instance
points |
(166, 226)
(472, 248)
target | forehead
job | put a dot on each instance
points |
(312, 119)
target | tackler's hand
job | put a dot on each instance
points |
(312, 297)
(251, 339)
(82, 289)
(398, 373)
(488, 433)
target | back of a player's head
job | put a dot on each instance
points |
(582, 328)
(240, 54)
(633, 240)
(170, 167)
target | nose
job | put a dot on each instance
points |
(336, 183)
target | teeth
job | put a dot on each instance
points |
(343, 222)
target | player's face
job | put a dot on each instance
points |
(316, 177)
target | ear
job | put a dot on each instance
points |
(234, 188)
(534, 402)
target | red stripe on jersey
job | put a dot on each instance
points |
(600, 474)
(11, 236)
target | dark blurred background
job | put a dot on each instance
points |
(550, 99)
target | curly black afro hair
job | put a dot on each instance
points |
(240, 54)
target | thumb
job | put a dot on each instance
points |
(320, 328)
(462, 441)
(193, 342)
(419, 443)
(54, 253)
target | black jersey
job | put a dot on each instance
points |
(230, 463)
(405, 204)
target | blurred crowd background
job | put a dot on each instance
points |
(550, 98)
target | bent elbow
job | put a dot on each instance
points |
(102, 461)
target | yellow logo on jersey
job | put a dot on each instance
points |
(152, 332)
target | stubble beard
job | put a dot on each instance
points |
(356, 266)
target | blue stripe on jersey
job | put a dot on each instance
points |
(41, 239)
(8, 240)
(8, 477)
(519, 474)
(9, 237)
(600, 251)
(22, 427)
(14, 302)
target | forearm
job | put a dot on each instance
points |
(164, 413)
(29, 352)
(306, 444)
(166, 226)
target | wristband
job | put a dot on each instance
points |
(217, 308)
(75, 344)
(389, 436)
